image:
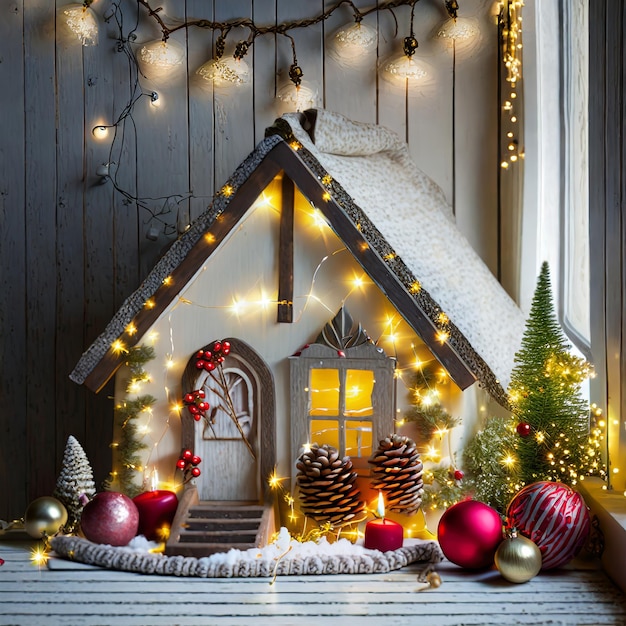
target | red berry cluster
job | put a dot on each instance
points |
(188, 462)
(196, 404)
(211, 358)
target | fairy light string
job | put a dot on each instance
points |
(160, 208)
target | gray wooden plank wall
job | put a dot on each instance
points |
(71, 249)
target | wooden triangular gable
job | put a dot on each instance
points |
(280, 152)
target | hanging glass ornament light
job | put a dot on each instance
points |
(299, 98)
(463, 33)
(355, 40)
(82, 22)
(161, 59)
(228, 71)
(406, 69)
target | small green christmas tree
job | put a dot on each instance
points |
(551, 416)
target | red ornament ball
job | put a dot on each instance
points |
(469, 534)
(458, 474)
(187, 455)
(196, 460)
(111, 518)
(180, 464)
(523, 429)
(195, 471)
(554, 517)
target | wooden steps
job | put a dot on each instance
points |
(204, 528)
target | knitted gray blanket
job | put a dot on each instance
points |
(236, 563)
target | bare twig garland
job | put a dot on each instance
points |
(277, 29)
(295, 72)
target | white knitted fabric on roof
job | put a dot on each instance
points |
(374, 166)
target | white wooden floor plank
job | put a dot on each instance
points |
(303, 596)
(534, 589)
(400, 620)
(349, 606)
(492, 577)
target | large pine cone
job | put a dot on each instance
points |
(397, 471)
(327, 489)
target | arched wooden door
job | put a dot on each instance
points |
(236, 438)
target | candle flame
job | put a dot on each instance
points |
(381, 505)
(155, 479)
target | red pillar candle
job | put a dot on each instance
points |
(156, 511)
(383, 534)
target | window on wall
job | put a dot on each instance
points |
(341, 408)
(343, 398)
(555, 219)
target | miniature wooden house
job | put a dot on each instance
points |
(325, 216)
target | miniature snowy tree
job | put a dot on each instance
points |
(74, 481)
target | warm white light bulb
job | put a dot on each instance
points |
(100, 132)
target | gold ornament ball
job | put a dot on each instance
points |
(518, 559)
(434, 580)
(44, 515)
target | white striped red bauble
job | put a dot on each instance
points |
(554, 517)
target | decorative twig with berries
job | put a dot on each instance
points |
(196, 404)
(211, 360)
(188, 463)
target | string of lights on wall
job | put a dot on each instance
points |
(161, 57)
(510, 25)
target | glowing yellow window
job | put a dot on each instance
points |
(324, 392)
(325, 431)
(358, 393)
(359, 438)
